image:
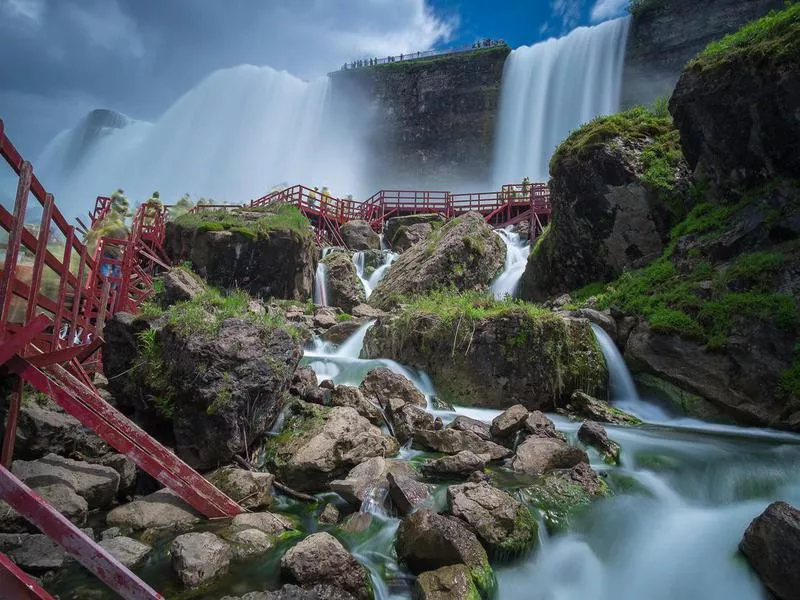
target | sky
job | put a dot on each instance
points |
(61, 58)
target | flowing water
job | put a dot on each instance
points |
(517, 251)
(371, 281)
(551, 88)
(321, 285)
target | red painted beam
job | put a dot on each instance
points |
(16, 584)
(58, 528)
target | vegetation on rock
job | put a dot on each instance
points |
(250, 222)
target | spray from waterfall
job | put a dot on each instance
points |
(551, 88)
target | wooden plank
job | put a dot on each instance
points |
(10, 435)
(62, 289)
(17, 584)
(16, 344)
(39, 256)
(58, 528)
(14, 240)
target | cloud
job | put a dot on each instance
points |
(568, 12)
(23, 10)
(608, 9)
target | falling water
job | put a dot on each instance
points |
(371, 282)
(551, 88)
(233, 137)
(517, 250)
(321, 285)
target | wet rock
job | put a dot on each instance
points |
(540, 455)
(538, 425)
(293, 592)
(344, 286)
(97, 484)
(126, 550)
(771, 545)
(324, 319)
(509, 422)
(410, 235)
(303, 380)
(406, 493)
(180, 284)
(408, 418)
(359, 235)
(342, 330)
(44, 428)
(59, 495)
(370, 474)
(329, 515)
(357, 523)
(395, 225)
(365, 311)
(345, 395)
(160, 509)
(453, 441)
(479, 428)
(199, 558)
(479, 477)
(127, 472)
(327, 384)
(603, 319)
(461, 464)
(249, 489)
(321, 559)
(111, 532)
(453, 582)
(594, 434)
(381, 385)
(465, 255)
(584, 406)
(33, 552)
(427, 541)
(267, 522)
(504, 525)
(247, 543)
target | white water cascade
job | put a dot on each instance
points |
(371, 282)
(551, 88)
(517, 251)
(321, 285)
(233, 137)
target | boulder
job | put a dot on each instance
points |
(160, 509)
(464, 254)
(247, 543)
(771, 545)
(180, 284)
(537, 455)
(509, 421)
(344, 287)
(267, 522)
(538, 425)
(453, 582)
(278, 263)
(504, 526)
(611, 212)
(427, 541)
(293, 592)
(357, 524)
(97, 484)
(359, 235)
(515, 355)
(249, 489)
(408, 418)
(406, 493)
(479, 428)
(208, 392)
(126, 550)
(453, 441)
(365, 311)
(318, 445)
(342, 330)
(34, 552)
(345, 395)
(459, 465)
(382, 384)
(329, 515)
(45, 428)
(305, 386)
(321, 559)
(584, 406)
(59, 495)
(403, 232)
(594, 434)
(199, 558)
(372, 474)
(602, 319)
(126, 469)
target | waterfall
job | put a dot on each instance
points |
(232, 137)
(517, 250)
(321, 285)
(371, 282)
(551, 88)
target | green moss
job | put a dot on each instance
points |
(342, 317)
(522, 541)
(155, 374)
(302, 421)
(484, 579)
(775, 37)
(558, 499)
(280, 217)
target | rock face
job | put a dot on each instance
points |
(180, 284)
(448, 583)
(665, 35)
(464, 254)
(280, 264)
(199, 558)
(607, 215)
(211, 394)
(344, 287)
(403, 232)
(358, 235)
(321, 559)
(736, 112)
(345, 395)
(505, 526)
(318, 445)
(771, 545)
(45, 428)
(431, 120)
(498, 361)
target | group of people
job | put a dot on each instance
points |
(371, 62)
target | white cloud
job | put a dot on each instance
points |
(105, 26)
(604, 10)
(29, 11)
(568, 11)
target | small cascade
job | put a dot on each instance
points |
(388, 258)
(321, 285)
(374, 502)
(517, 251)
(371, 282)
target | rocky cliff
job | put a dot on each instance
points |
(665, 34)
(430, 121)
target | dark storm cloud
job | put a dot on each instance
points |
(59, 58)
